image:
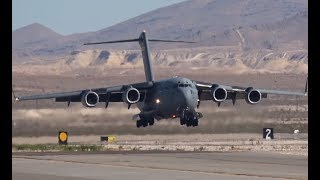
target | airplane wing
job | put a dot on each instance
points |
(106, 94)
(206, 90)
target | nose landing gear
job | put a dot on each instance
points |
(192, 122)
(190, 119)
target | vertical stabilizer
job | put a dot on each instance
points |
(143, 42)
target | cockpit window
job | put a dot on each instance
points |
(184, 85)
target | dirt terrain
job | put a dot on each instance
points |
(284, 143)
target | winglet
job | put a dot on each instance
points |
(15, 97)
(306, 88)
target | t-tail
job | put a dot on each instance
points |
(143, 42)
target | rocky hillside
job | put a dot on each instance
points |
(254, 34)
(220, 59)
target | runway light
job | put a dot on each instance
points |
(157, 101)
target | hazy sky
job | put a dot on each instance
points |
(76, 16)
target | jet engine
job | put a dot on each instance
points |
(253, 96)
(90, 99)
(219, 94)
(131, 95)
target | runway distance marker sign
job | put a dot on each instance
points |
(268, 133)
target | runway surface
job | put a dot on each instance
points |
(158, 165)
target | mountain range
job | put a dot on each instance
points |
(227, 32)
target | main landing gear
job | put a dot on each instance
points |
(145, 122)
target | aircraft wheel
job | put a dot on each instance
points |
(196, 122)
(193, 123)
(189, 123)
(182, 121)
(138, 123)
(151, 121)
(190, 120)
(144, 123)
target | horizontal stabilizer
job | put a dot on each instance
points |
(306, 87)
(109, 42)
(14, 96)
(133, 40)
(162, 40)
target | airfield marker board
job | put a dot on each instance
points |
(108, 139)
(63, 137)
(268, 133)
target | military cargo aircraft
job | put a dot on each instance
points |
(175, 97)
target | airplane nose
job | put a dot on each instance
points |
(188, 97)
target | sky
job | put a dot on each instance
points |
(77, 16)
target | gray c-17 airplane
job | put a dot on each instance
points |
(175, 97)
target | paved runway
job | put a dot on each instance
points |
(158, 166)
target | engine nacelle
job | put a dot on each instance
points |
(253, 96)
(131, 95)
(90, 99)
(219, 94)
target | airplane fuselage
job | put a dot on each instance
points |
(168, 97)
